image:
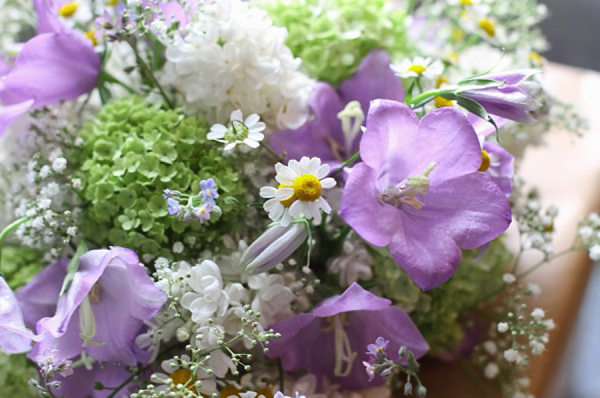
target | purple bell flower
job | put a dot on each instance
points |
(514, 99)
(15, 338)
(419, 193)
(58, 64)
(209, 190)
(102, 312)
(323, 136)
(331, 340)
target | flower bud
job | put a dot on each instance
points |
(275, 245)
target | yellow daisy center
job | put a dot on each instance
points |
(418, 69)
(441, 102)
(183, 377)
(440, 81)
(228, 391)
(113, 3)
(291, 200)
(466, 2)
(536, 58)
(307, 188)
(486, 161)
(488, 27)
(91, 35)
(68, 10)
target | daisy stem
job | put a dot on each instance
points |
(272, 152)
(348, 162)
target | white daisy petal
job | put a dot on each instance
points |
(294, 165)
(286, 219)
(286, 176)
(304, 164)
(277, 212)
(296, 209)
(218, 128)
(313, 166)
(251, 143)
(252, 120)
(256, 136)
(324, 205)
(267, 192)
(328, 183)
(236, 116)
(284, 193)
(323, 171)
(257, 128)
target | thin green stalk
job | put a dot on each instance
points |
(281, 376)
(353, 159)
(423, 96)
(148, 72)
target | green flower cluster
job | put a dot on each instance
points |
(132, 152)
(15, 373)
(20, 264)
(440, 313)
(332, 37)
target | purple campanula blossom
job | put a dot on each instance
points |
(209, 190)
(514, 99)
(330, 341)
(323, 136)
(15, 338)
(103, 311)
(80, 384)
(57, 64)
(418, 191)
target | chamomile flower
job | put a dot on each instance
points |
(299, 192)
(417, 67)
(178, 376)
(238, 131)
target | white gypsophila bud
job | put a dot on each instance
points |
(271, 248)
(586, 232)
(183, 334)
(491, 370)
(59, 164)
(537, 347)
(502, 327)
(538, 314)
(178, 248)
(509, 278)
(490, 347)
(511, 355)
(549, 324)
(534, 289)
(595, 253)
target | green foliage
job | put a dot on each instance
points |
(132, 152)
(332, 37)
(20, 264)
(15, 372)
(439, 313)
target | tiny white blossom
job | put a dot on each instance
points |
(44, 172)
(534, 289)
(418, 67)
(59, 164)
(595, 253)
(72, 231)
(538, 314)
(299, 192)
(511, 355)
(586, 232)
(509, 278)
(549, 324)
(502, 327)
(491, 370)
(239, 131)
(178, 247)
(490, 347)
(44, 203)
(76, 183)
(537, 347)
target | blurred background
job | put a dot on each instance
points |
(573, 32)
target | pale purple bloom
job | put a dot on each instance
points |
(514, 99)
(173, 206)
(103, 311)
(419, 193)
(57, 64)
(322, 136)
(209, 190)
(203, 212)
(15, 338)
(330, 341)
(379, 345)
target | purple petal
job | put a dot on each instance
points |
(11, 113)
(502, 167)
(15, 338)
(81, 383)
(39, 297)
(47, 17)
(355, 298)
(373, 80)
(374, 221)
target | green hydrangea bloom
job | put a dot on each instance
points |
(20, 264)
(15, 372)
(332, 37)
(132, 152)
(439, 313)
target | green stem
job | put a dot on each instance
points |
(546, 260)
(346, 163)
(10, 229)
(272, 152)
(431, 94)
(127, 381)
(281, 376)
(148, 72)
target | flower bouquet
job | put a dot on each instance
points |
(276, 198)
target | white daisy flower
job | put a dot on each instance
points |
(417, 67)
(178, 377)
(238, 131)
(299, 192)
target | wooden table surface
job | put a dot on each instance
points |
(567, 173)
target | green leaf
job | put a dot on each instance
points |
(149, 166)
(475, 108)
(73, 266)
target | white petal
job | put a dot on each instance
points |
(268, 192)
(237, 116)
(256, 136)
(215, 135)
(229, 146)
(218, 128)
(284, 193)
(251, 120)
(269, 204)
(251, 143)
(257, 128)
(277, 211)
(313, 166)
(286, 218)
(323, 171)
(286, 176)
(328, 183)
(314, 209)
(296, 209)
(324, 205)
(305, 164)
(295, 167)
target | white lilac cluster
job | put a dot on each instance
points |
(232, 57)
(589, 233)
(518, 333)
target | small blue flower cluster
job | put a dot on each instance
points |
(194, 207)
